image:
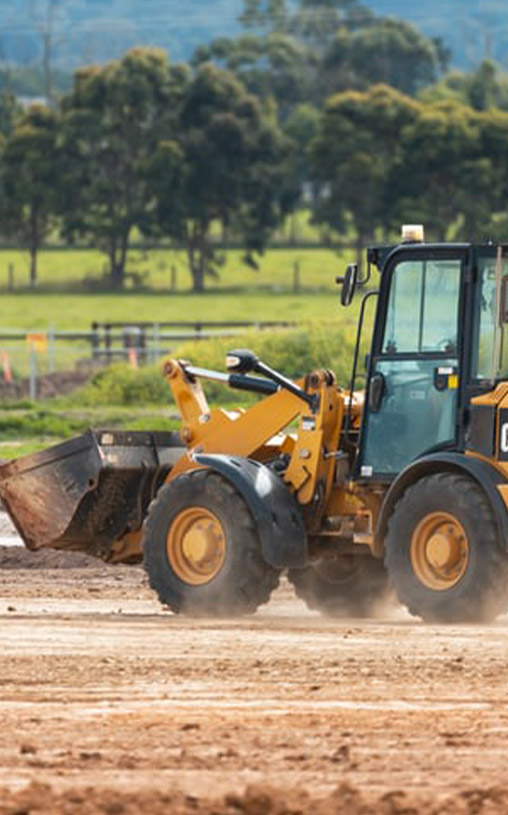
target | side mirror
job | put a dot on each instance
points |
(349, 284)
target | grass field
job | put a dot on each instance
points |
(65, 299)
(81, 270)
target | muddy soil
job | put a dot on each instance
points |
(110, 704)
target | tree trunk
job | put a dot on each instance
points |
(118, 259)
(196, 253)
(34, 246)
(33, 267)
(197, 268)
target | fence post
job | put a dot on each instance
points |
(296, 277)
(33, 373)
(10, 276)
(155, 343)
(107, 342)
(173, 283)
(51, 349)
(95, 340)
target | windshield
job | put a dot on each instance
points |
(423, 309)
(490, 351)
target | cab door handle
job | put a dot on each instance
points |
(377, 387)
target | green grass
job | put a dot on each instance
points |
(68, 312)
(239, 294)
(76, 270)
(29, 430)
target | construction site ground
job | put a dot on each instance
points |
(111, 704)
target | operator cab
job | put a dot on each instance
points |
(438, 340)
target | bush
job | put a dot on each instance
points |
(121, 385)
(292, 351)
(38, 423)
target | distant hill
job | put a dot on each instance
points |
(85, 31)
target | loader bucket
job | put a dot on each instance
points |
(89, 491)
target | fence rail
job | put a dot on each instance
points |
(32, 353)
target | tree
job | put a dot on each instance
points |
(386, 51)
(485, 88)
(446, 176)
(112, 123)
(356, 155)
(10, 112)
(30, 181)
(223, 165)
(268, 14)
(303, 52)
(275, 67)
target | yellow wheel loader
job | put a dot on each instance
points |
(402, 487)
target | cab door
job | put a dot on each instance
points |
(414, 372)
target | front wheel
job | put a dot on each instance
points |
(201, 549)
(443, 553)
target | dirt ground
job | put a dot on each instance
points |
(110, 704)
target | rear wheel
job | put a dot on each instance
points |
(202, 551)
(347, 586)
(443, 554)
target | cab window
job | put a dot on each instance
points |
(485, 365)
(423, 308)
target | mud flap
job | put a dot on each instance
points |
(273, 507)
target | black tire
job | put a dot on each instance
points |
(469, 582)
(239, 582)
(349, 586)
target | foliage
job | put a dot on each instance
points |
(224, 164)
(356, 154)
(292, 351)
(314, 48)
(452, 157)
(10, 111)
(482, 89)
(29, 185)
(122, 385)
(40, 422)
(112, 125)
(385, 51)
(273, 67)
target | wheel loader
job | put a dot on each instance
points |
(401, 486)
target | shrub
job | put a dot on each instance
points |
(292, 351)
(121, 385)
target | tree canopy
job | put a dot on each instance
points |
(223, 165)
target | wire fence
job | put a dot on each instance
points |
(30, 355)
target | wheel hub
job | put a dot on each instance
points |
(196, 545)
(439, 551)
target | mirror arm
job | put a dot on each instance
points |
(365, 280)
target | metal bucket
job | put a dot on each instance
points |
(87, 492)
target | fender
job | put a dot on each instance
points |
(274, 508)
(485, 475)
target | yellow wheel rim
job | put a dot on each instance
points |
(439, 551)
(196, 546)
